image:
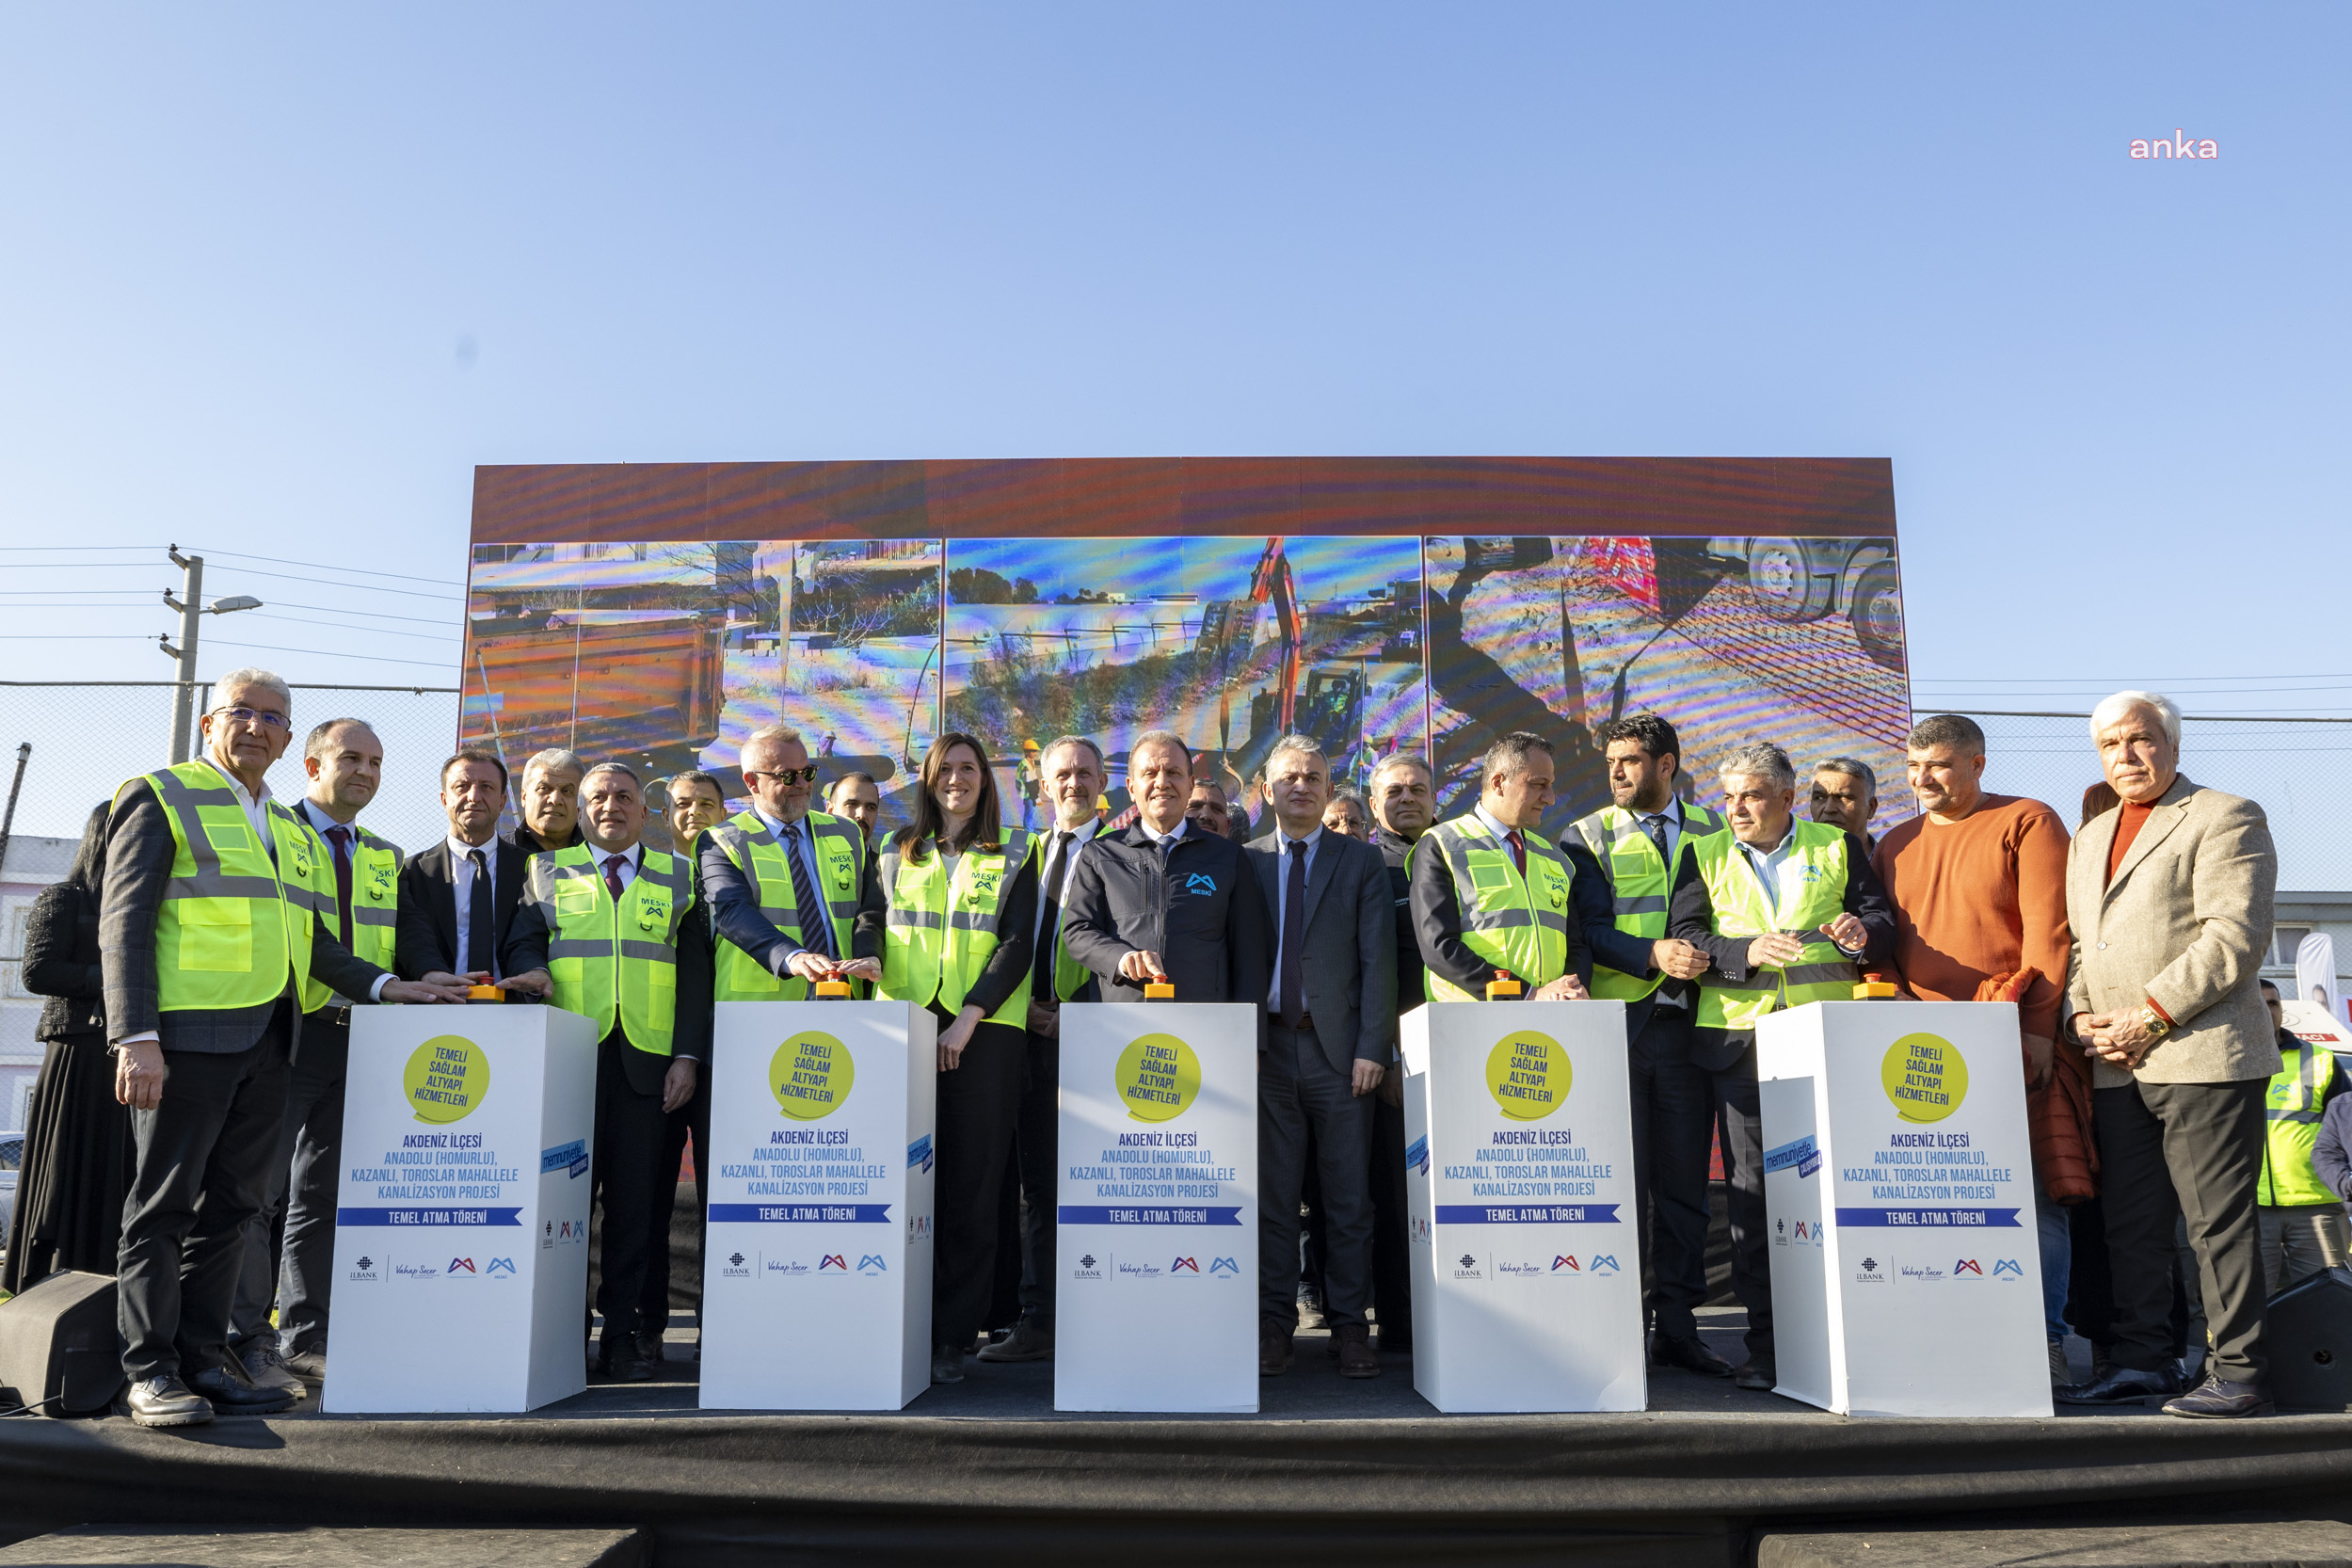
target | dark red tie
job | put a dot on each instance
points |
(613, 864)
(1518, 852)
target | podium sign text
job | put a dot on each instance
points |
(461, 1224)
(1157, 1305)
(1526, 1255)
(816, 1269)
(1899, 1179)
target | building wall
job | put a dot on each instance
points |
(32, 864)
(2299, 913)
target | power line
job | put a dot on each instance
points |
(331, 653)
(375, 630)
(323, 565)
(361, 587)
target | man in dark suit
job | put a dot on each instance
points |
(612, 893)
(1330, 1035)
(1404, 803)
(457, 898)
(1166, 900)
(208, 935)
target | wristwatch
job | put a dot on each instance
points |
(2157, 1024)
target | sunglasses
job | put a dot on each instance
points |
(786, 776)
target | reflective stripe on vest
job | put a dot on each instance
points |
(1639, 884)
(1812, 893)
(234, 926)
(941, 928)
(2292, 1130)
(755, 851)
(374, 908)
(1515, 923)
(609, 969)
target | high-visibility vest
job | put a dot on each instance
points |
(1639, 884)
(614, 963)
(755, 851)
(1811, 894)
(375, 907)
(2297, 1092)
(943, 927)
(234, 928)
(1513, 923)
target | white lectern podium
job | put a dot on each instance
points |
(1899, 1179)
(1156, 1304)
(816, 1268)
(461, 1227)
(1526, 1255)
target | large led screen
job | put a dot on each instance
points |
(657, 614)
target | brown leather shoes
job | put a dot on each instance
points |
(1356, 1359)
(1274, 1349)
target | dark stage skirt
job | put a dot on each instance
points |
(78, 1164)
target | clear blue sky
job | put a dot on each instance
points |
(274, 279)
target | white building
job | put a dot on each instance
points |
(32, 864)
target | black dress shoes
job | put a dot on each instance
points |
(1686, 1352)
(231, 1390)
(166, 1402)
(622, 1362)
(1758, 1375)
(2121, 1385)
(2217, 1400)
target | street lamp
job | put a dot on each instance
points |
(191, 604)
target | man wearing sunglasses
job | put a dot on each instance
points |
(217, 915)
(786, 884)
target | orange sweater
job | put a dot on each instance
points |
(1981, 897)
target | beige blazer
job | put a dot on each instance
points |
(2184, 925)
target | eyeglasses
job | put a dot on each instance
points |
(253, 715)
(787, 775)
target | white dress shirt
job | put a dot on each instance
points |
(1282, 902)
(1081, 836)
(255, 804)
(629, 860)
(461, 884)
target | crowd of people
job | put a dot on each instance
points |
(208, 947)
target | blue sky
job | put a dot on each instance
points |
(274, 279)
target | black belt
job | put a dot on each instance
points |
(1304, 1026)
(335, 1016)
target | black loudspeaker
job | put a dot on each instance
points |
(2309, 1341)
(58, 1348)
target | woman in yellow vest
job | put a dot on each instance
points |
(963, 894)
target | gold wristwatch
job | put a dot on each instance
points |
(2157, 1023)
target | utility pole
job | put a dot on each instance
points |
(191, 604)
(8, 818)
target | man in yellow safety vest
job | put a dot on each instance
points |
(1787, 912)
(786, 884)
(2302, 1219)
(1490, 894)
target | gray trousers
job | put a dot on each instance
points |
(2300, 1240)
(2192, 1151)
(298, 1279)
(1306, 1104)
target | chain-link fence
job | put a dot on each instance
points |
(89, 737)
(2291, 767)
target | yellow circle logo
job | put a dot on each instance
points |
(1158, 1078)
(1925, 1077)
(811, 1075)
(1528, 1075)
(446, 1079)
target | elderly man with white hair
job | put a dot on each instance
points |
(2169, 897)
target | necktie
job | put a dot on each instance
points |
(478, 938)
(816, 931)
(1654, 825)
(1049, 923)
(1293, 933)
(613, 864)
(340, 836)
(1518, 852)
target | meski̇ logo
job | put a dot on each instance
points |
(1200, 883)
(1224, 1266)
(1604, 1264)
(500, 1265)
(871, 1263)
(2007, 1266)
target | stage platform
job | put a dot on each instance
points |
(1330, 1470)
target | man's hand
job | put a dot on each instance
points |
(678, 1084)
(139, 1073)
(2122, 1038)
(812, 966)
(1847, 931)
(955, 1037)
(1137, 964)
(446, 987)
(1366, 1078)
(1566, 988)
(1677, 960)
(862, 968)
(443, 977)
(2040, 1051)
(1392, 1086)
(533, 983)
(1772, 949)
(1044, 1022)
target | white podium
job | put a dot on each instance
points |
(1519, 1196)
(461, 1224)
(1156, 1304)
(1899, 1180)
(816, 1267)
